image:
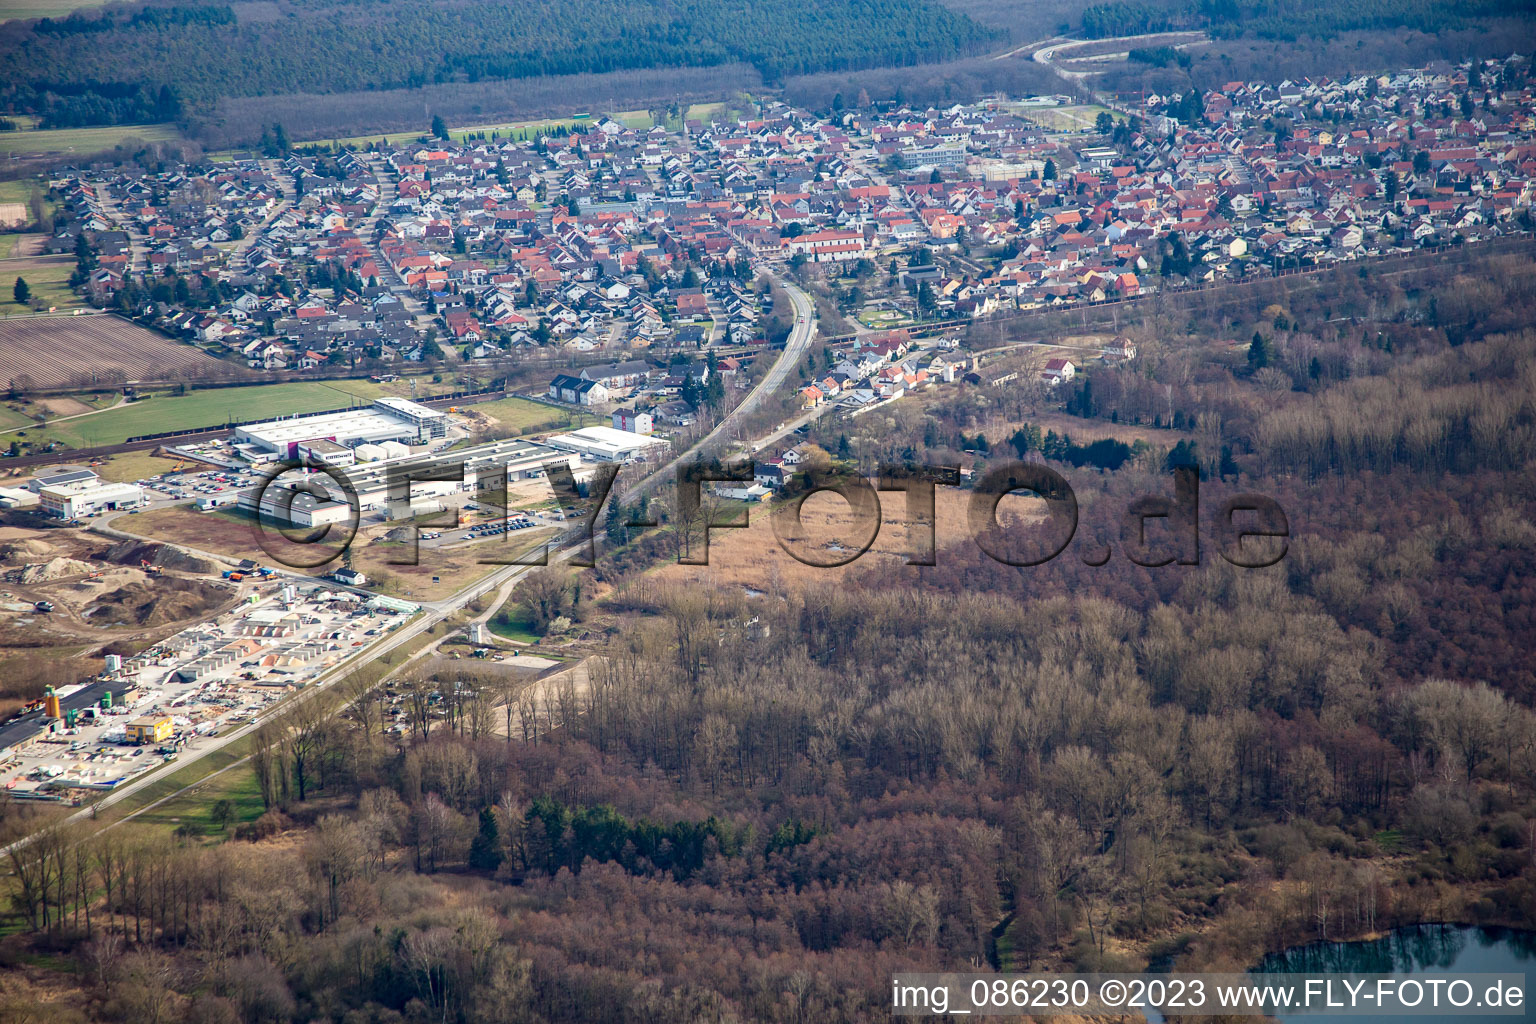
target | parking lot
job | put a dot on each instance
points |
(187, 486)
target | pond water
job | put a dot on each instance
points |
(1424, 950)
(1419, 951)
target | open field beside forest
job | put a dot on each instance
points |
(15, 10)
(60, 141)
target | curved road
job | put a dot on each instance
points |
(795, 347)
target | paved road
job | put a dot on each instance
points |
(811, 415)
(1047, 55)
(138, 243)
(389, 191)
(429, 617)
(781, 432)
(285, 185)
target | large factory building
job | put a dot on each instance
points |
(388, 419)
(480, 466)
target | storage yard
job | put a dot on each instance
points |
(143, 599)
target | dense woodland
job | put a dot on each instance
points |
(1251, 58)
(764, 804)
(123, 66)
(333, 67)
(1267, 19)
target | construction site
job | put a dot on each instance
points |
(138, 711)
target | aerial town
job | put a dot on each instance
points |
(619, 245)
(349, 561)
(630, 262)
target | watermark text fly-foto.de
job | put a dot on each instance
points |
(1250, 530)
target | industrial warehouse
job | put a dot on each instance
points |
(74, 492)
(292, 497)
(605, 444)
(388, 419)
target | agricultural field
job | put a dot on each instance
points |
(59, 351)
(47, 277)
(16, 10)
(18, 190)
(12, 245)
(62, 141)
(211, 408)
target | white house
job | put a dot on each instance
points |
(1058, 370)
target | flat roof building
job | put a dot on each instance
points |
(606, 444)
(17, 497)
(430, 422)
(149, 729)
(388, 419)
(286, 502)
(328, 452)
(61, 476)
(87, 497)
(354, 426)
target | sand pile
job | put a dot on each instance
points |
(54, 568)
(133, 552)
(21, 552)
(154, 603)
